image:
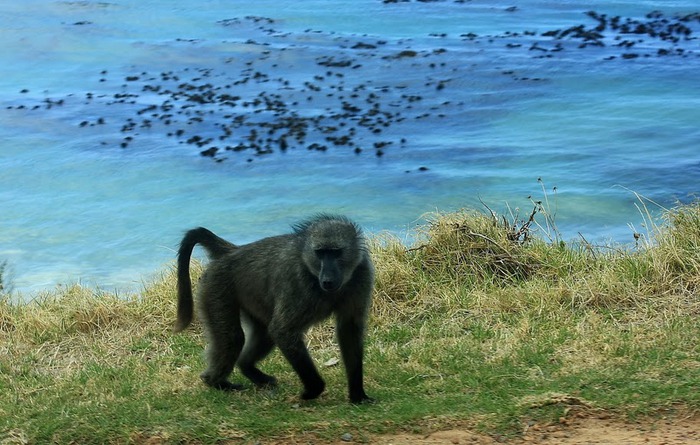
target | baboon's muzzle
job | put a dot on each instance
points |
(330, 278)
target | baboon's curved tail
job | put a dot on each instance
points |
(216, 247)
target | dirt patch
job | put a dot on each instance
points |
(579, 432)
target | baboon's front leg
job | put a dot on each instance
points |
(291, 344)
(350, 334)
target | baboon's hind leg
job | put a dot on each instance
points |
(226, 338)
(258, 345)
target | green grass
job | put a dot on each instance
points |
(475, 325)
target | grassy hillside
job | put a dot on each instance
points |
(479, 323)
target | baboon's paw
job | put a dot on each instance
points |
(313, 392)
(363, 400)
(267, 382)
(228, 386)
(222, 385)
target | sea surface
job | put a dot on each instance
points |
(124, 123)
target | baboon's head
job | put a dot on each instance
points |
(333, 248)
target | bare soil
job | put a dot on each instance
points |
(580, 431)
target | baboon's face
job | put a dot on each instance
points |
(330, 276)
(332, 254)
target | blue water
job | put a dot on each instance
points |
(97, 188)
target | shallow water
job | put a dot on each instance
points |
(97, 186)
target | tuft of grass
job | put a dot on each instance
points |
(478, 323)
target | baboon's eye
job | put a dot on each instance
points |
(328, 253)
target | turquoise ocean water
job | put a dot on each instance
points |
(383, 111)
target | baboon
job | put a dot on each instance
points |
(268, 293)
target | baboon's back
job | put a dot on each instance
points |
(260, 271)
